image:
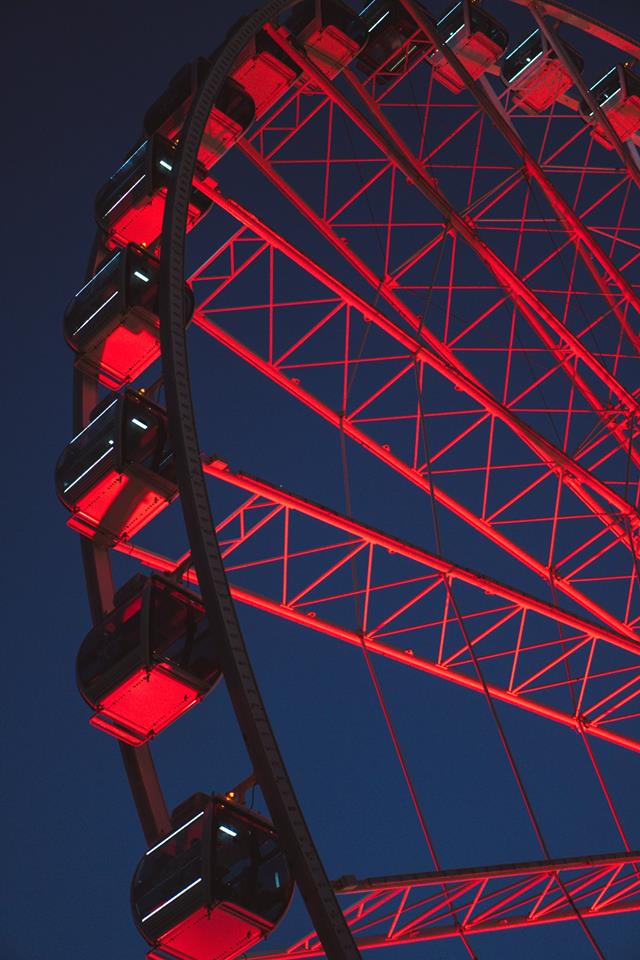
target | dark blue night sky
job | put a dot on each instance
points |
(78, 80)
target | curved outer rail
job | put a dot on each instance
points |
(245, 696)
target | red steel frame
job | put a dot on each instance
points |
(608, 699)
(568, 639)
(541, 318)
(412, 473)
(398, 911)
(582, 475)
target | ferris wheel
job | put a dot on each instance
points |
(367, 292)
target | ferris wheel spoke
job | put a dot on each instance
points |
(473, 520)
(617, 530)
(391, 621)
(586, 244)
(267, 167)
(515, 634)
(526, 893)
(407, 658)
(578, 480)
(443, 359)
(271, 494)
(541, 319)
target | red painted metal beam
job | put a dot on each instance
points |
(157, 562)
(542, 320)
(411, 909)
(440, 358)
(410, 318)
(529, 868)
(415, 477)
(370, 535)
(572, 474)
(452, 668)
(589, 247)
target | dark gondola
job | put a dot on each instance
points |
(535, 75)
(262, 69)
(112, 323)
(232, 114)
(148, 661)
(332, 36)
(618, 96)
(215, 885)
(119, 472)
(130, 205)
(477, 39)
(394, 43)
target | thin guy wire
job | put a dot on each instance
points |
(487, 693)
(385, 710)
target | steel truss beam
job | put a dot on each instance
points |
(386, 287)
(439, 357)
(541, 319)
(564, 466)
(593, 705)
(588, 247)
(415, 908)
(414, 476)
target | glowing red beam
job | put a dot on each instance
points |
(494, 899)
(366, 535)
(540, 317)
(440, 358)
(573, 225)
(266, 605)
(369, 535)
(403, 469)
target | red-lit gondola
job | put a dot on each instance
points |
(130, 205)
(119, 472)
(112, 323)
(535, 75)
(394, 42)
(617, 94)
(231, 116)
(214, 886)
(330, 33)
(262, 69)
(148, 661)
(477, 39)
